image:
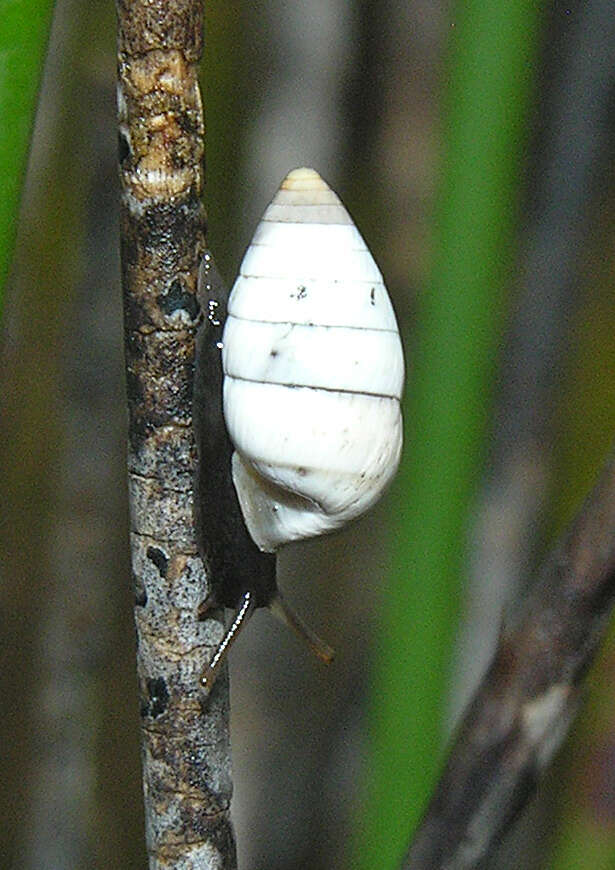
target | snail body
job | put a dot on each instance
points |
(236, 562)
(242, 576)
(303, 410)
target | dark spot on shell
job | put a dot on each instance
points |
(372, 296)
(159, 558)
(301, 292)
(273, 353)
(302, 472)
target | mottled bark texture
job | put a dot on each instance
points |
(186, 763)
(528, 697)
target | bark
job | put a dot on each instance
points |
(186, 764)
(529, 696)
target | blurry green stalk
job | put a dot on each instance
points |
(452, 359)
(24, 31)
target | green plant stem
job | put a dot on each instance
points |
(452, 362)
(24, 31)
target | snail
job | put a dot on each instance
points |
(304, 413)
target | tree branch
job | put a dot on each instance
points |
(529, 696)
(186, 764)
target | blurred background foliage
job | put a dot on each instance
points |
(471, 143)
(24, 30)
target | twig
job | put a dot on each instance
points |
(529, 696)
(186, 763)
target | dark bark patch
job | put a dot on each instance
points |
(140, 593)
(176, 299)
(158, 701)
(123, 148)
(160, 560)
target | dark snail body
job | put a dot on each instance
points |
(237, 565)
(244, 577)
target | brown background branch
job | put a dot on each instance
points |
(185, 747)
(529, 696)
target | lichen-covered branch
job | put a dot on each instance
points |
(529, 696)
(186, 763)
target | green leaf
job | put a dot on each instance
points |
(24, 30)
(453, 358)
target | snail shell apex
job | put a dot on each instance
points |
(313, 370)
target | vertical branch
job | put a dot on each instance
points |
(185, 744)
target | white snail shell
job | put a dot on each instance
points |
(313, 370)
